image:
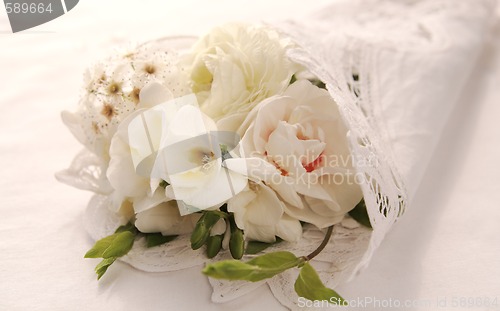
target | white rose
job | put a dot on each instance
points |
(296, 143)
(237, 66)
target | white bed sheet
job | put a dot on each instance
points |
(449, 253)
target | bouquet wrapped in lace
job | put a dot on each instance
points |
(263, 151)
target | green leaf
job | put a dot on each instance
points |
(309, 286)
(100, 247)
(120, 245)
(112, 247)
(360, 214)
(257, 269)
(254, 247)
(128, 227)
(115, 245)
(155, 239)
(103, 266)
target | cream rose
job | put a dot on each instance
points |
(296, 144)
(237, 66)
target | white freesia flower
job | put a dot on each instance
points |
(148, 199)
(122, 173)
(260, 213)
(175, 145)
(237, 66)
(190, 160)
(297, 145)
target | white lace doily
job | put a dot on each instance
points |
(334, 264)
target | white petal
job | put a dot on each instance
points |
(159, 218)
(255, 168)
(303, 90)
(189, 122)
(270, 113)
(154, 183)
(225, 186)
(289, 229)
(121, 172)
(307, 215)
(153, 94)
(237, 206)
(74, 124)
(146, 202)
(346, 194)
(266, 209)
(327, 208)
(144, 135)
(260, 233)
(311, 187)
(285, 187)
(165, 219)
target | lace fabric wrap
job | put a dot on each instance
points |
(395, 69)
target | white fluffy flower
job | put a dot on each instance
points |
(237, 66)
(111, 93)
(297, 145)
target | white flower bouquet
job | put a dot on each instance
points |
(256, 149)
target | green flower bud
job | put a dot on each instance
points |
(236, 243)
(199, 235)
(201, 231)
(214, 245)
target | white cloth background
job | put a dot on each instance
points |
(446, 246)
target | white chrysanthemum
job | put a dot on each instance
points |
(235, 67)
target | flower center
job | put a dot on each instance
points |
(202, 158)
(150, 69)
